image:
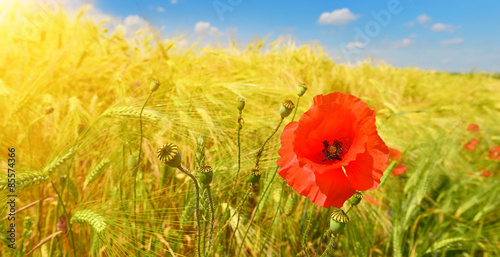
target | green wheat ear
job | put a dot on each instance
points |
(59, 160)
(96, 222)
(91, 218)
(97, 171)
(27, 179)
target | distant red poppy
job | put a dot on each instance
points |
(394, 155)
(370, 200)
(471, 146)
(337, 133)
(473, 128)
(486, 174)
(495, 153)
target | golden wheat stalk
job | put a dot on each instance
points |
(131, 112)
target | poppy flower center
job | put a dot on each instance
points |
(332, 150)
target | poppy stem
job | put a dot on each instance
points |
(139, 159)
(198, 217)
(240, 126)
(296, 107)
(259, 154)
(304, 238)
(212, 213)
(256, 209)
(325, 234)
(330, 247)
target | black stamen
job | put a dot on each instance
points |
(332, 151)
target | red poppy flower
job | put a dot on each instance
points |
(337, 133)
(395, 155)
(473, 128)
(471, 146)
(371, 200)
(486, 174)
(495, 153)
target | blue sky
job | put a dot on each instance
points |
(444, 35)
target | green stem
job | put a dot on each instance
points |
(239, 163)
(140, 121)
(139, 162)
(329, 247)
(257, 207)
(274, 217)
(325, 234)
(197, 188)
(296, 107)
(212, 214)
(249, 190)
(70, 231)
(227, 222)
(304, 238)
(259, 154)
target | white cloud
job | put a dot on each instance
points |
(453, 41)
(173, 1)
(205, 28)
(409, 24)
(352, 45)
(423, 18)
(337, 17)
(160, 9)
(442, 27)
(232, 30)
(413, 36)
(403, 43)
(132, 24)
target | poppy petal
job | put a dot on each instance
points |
(360, 172)
(399, 170)
(286, 150)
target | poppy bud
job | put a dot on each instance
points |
(49, 110)
(286, 108)
(240, 104)
(155, 84)
(337, 221)
(355, 199)
(255, 174)
(205, 175)
(290, 205)
(301, 90)
(169, 154)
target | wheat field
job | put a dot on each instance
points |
(76, 107)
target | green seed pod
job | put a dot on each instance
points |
(286, 108)
(205, 174)
(132, 164)
(169, 154)
(240, 104)
(290, 205)
(355, 199)
(255, 174)
(155, 84)
(337, 221)
(301, 90)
